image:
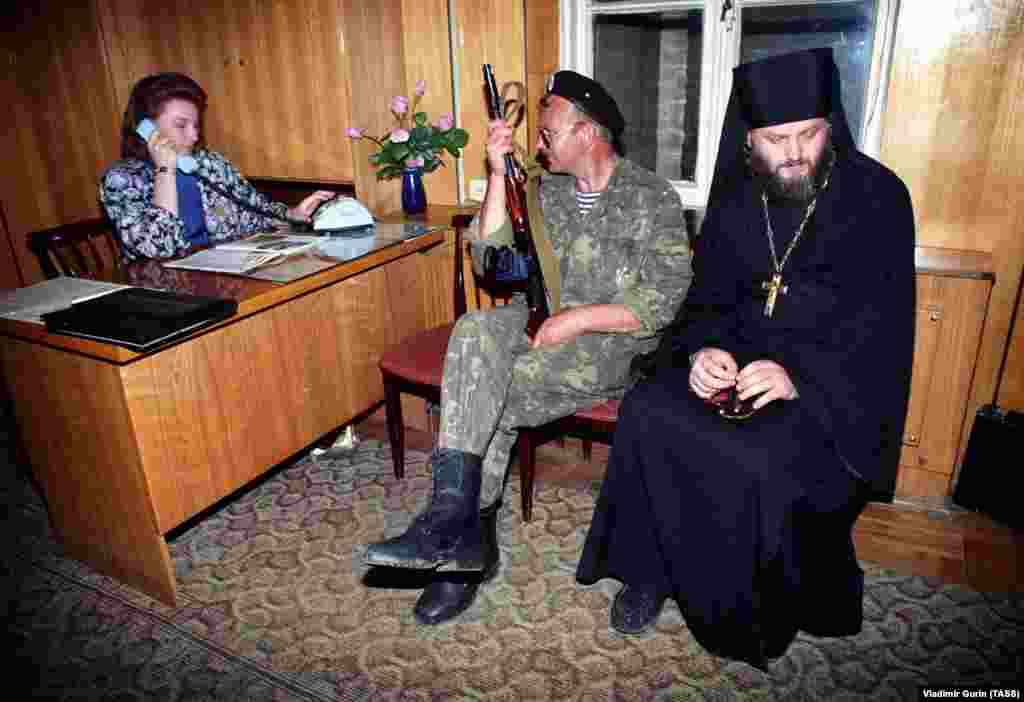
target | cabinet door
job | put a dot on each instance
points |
(951, 311)
(927, 333)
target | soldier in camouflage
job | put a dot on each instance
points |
(623, 267)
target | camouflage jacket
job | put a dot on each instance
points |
(630, 249)
(149, 231)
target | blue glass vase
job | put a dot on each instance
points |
(414, 198)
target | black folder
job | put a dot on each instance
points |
(139, 318)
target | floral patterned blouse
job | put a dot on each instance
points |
(149, 231)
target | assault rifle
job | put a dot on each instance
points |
(515, 205)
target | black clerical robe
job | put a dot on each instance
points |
(747, 524)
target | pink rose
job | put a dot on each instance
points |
(400, 104)
(421, 87)
(445, 122)
(354, 133)
(399, 136)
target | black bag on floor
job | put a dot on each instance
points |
(989, 473)
(990, 470)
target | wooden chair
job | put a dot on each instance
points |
(595, 424)
(416, 364)
(80, 249)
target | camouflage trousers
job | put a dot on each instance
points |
(494, 383)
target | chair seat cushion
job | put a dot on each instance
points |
(604, 412)
(420, 357)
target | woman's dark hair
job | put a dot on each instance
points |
(147, 100)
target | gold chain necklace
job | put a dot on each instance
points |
(774, 284)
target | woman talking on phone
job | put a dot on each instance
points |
(169, 193)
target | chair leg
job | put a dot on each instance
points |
(587, 448)
(396, 430)
(527, 457)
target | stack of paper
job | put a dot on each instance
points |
(247, 254)
(29, 304)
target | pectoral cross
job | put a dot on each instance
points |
(774, 286)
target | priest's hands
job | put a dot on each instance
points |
(713, 370)
(765, 380)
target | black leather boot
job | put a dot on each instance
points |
(447, 535)
(450, 595)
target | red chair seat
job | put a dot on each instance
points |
(419, 358)
(605, 412)
(596, 422)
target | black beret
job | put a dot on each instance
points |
(590, 96)
(787, 88)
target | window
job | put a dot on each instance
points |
(669, 65)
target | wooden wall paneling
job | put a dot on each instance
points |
(487, 31)
(427, 56)
(10, 273)
(1011, 392)
(328, 79)
(273, 73)
(952, 131)
(59, 131)
(141, 38)
(218, 43)
(1002, 219)
(373, 36)
(542, 46)
(72, 419)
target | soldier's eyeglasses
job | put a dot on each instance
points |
(548, 136)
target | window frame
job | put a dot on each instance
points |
(720, 54)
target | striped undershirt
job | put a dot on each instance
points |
(585, 201)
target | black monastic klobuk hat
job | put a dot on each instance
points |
(776, 90)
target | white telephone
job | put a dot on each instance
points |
(186, 163)
(340, 215)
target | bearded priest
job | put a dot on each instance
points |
(776, 407)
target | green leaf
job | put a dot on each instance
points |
(420, 119)
(420, 134)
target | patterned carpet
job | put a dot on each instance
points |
(277, 606)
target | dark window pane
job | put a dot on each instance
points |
(849, 28)
(650, 63)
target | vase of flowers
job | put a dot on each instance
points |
(414, 147)
(414, 197)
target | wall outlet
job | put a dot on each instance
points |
(477, 188)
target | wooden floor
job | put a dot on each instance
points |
(941, 541)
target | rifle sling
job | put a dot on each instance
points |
(549, 267)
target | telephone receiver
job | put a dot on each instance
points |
(186, 162)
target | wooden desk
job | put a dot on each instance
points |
(127, 446)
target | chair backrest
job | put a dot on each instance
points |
(81, 249)
(459, 223)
